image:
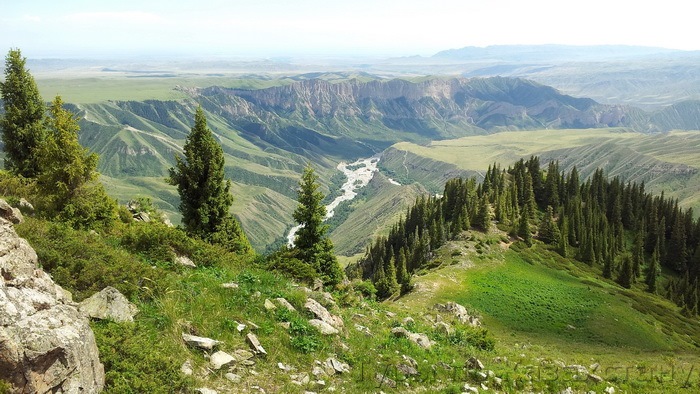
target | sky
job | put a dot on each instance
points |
(268, 28)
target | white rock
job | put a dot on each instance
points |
(200, 342)
(269, 305)
(186, 368)
(233, 377)
(109, 304)
(185, 261)
(323, 327)
(220, 359)
(255, 344)
(284, 303)
(204, 390)
(322, 313)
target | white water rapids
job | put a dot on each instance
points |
(358, 175)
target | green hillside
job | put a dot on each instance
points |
(665, 162)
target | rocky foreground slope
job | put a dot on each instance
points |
(46, 344)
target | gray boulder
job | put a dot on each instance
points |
(46, 344)
(10, 213)
(109, 304)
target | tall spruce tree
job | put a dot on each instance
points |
(67, 178)
(653, 271)
(624, 278)
(204, 192)
(311, 240)
(22, 125)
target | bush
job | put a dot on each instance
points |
(136, 363)
(287, 263)
(366, 287)
(85, 263)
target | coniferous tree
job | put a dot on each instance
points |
(563, 242)
(482, 220)
(204, 192)
(67, 177)
(524, 228)
(22, 124)
(625, 276)
(548, 231)
(311, 240)
(653, 271)
(402, 274)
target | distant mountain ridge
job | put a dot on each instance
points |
(539, 53)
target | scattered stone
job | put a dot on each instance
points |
(285, 325)
(186, 368)
(570, 327)
(498, 382)
(240, 327)
(578, 368)
(318, 371)
(469, 389)
(323, 327)
(444, 328)
(285, 368)
(595, 378)
(185, 261)
(408, 321)
(109, 304)
(390, 315)
(253, 372)
(481, 376)
(285, 304)
(253, 326)
(484, 387)
(317, 285)
(358, 316)
(10, 213)
(409, 360)
(248, 363)
(363, 330)
(242, 355)
(320, 384)
(269, 305)
(233, 377)
(337, 366)
(406, 370)
(559, 364)
(257, 294)
(475, 363)
(328, 298)
(204, 390)
(594, 367)
(567, 390)
(301, 379)
(25, 205)
(255, 344)
(220, 359)
(609, 390)
(200, 342)
(142, 217)
(421, 340)
(384, 381)
(322, 313)
(230, 285)
(460, 312)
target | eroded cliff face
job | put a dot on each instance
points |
(46, 345)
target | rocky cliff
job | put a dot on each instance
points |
(46, 345)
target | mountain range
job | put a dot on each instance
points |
(269, 134)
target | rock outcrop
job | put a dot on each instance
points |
(46, 344)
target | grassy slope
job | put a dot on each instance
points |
(542, 308)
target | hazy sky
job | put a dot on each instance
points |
(54, 28)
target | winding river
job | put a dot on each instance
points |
(358, 175)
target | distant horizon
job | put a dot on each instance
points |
(316, 28)
(206, 57)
